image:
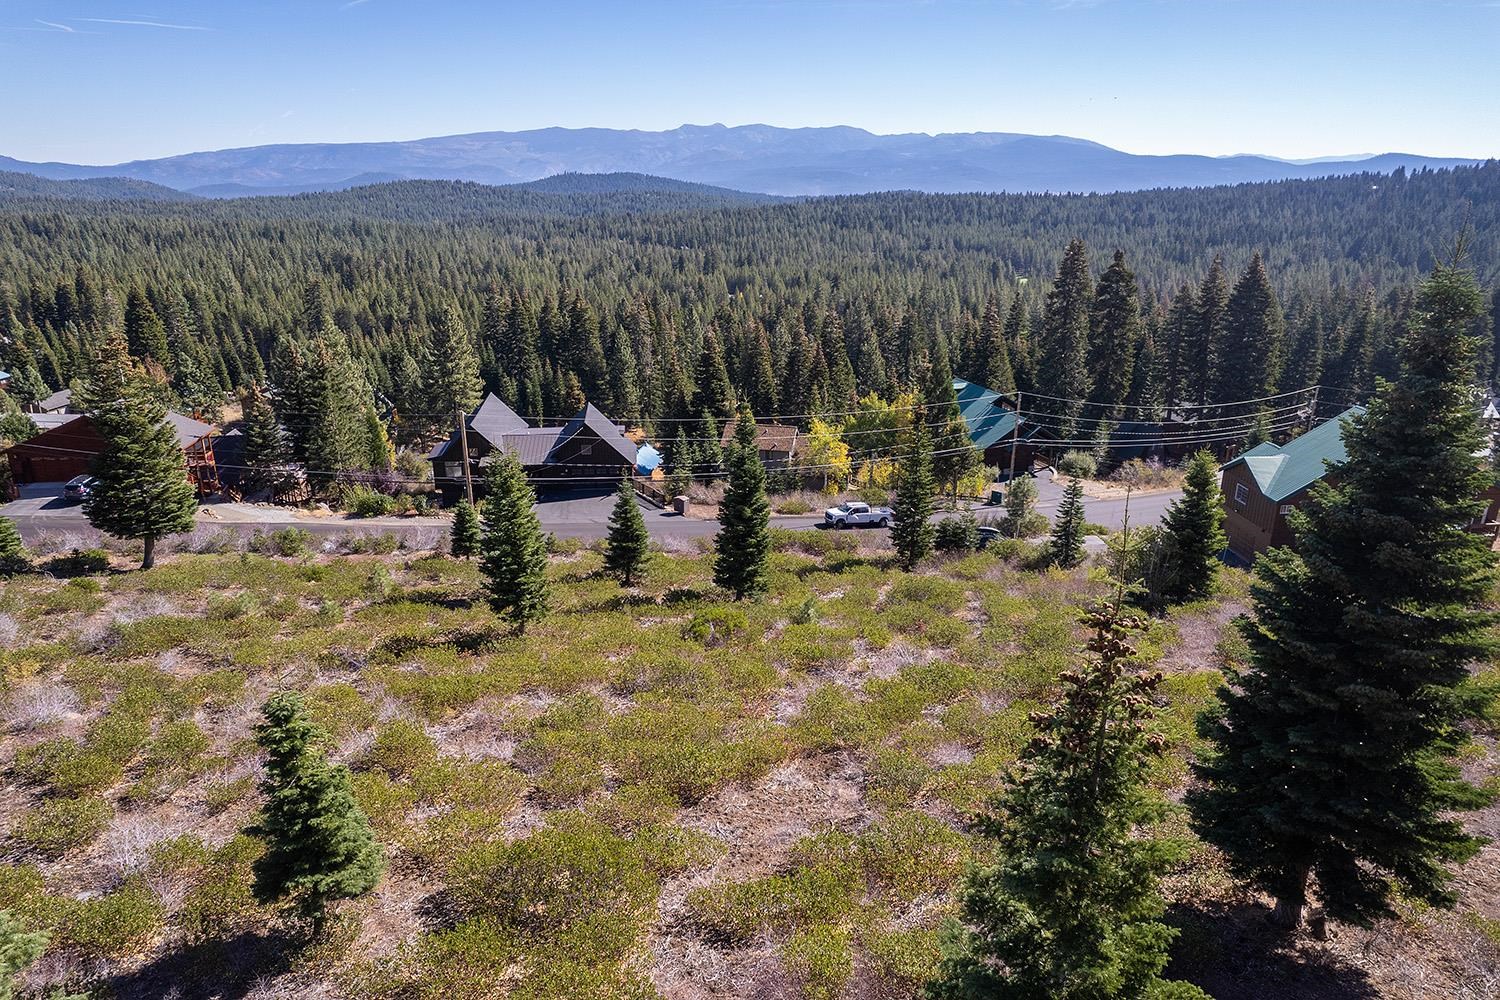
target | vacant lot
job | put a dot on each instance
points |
(653, 793)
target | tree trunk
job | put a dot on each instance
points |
(1287, 913)
(148, 558)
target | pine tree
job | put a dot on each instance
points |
(1115, 333)
(319, 847)
(1066, 547)
(141, 489)
(513, 551)
(1206, 334)
(1064, 372)
(1178, 383)
(1018, 344)
(911, 532)
(953, 454)
(463, 541)
(266, 453)
(1333, 754)
(742, 550)
(12, 553)
(380, 454)
(1249, 357)
(712, 390)
(19, 948)
(628, 547)
(1020, 506)
(145, 333)
(336, 435)
(450, 368)
(1072, 909)
(998, 374)
(1194, 532)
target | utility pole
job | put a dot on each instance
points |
(463, 435)
(1015, 440)
(1312, 409)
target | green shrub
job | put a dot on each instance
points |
(714, 626)
(113, 925)
(220, 795)
(564, 873)
(741, 911)
(362, 501)
(80, 562)
(401, 749)
(59, 825)
(285, 542)
(1077, 464)
(956, 534)
(793, 504)
(66, 767)
(906, 958)
(821, 960)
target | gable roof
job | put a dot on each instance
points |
(1282, 470)
(768, 437)
(61, 399)
(187, 429)
(602, 428)
(989, 423)
(494, 418)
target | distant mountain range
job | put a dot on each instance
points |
(751, 158)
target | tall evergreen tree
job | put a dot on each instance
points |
(464, 538)
(1179, 337)
(145, 333)
(1249, 357)
(953, 455)
(1333, 754)
(742, 549)
(1194, 532)
(912, 530)
(1063, 373)
(1206, 334)
(1018, 344)
(450, 368)
(513, 550)
(1072, 908)
(336, 435)
(1115, 333)
(1066, 546)
(266, 452)
(995, 355)
(628, 546)
(319, 847)
(712, 390)
(141, 489)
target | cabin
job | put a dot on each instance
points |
(1004, 438)
(69, 448)
(779, 445)
(60, 401)
(1265, 484)
(588, 452)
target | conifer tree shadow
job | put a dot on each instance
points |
(219, 969)
(1233, 952)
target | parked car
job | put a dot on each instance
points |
(855, 515)
(77, 489)
(987, 535)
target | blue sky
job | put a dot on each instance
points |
(97, 82)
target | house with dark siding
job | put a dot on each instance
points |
(996, 430)
(70, 447)
(1265, 484)
(589, 451)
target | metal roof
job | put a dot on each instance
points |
(1282, 470)
(989, 423)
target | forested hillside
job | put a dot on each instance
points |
(638, 295)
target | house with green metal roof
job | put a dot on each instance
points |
(995, 429)
(1266, 483)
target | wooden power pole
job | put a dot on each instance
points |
(463, 435)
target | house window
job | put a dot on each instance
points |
(1241, 494)
(455, 470)
(1286, 509)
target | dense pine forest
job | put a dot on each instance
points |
(664, 303)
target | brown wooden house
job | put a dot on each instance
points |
(1266, 483)
(69, 449)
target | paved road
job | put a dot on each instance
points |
(41, 512)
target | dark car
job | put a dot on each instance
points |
(77, 488)
(987, 535)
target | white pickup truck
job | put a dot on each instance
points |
(853, 515)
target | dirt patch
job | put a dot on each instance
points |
(1198, 639)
